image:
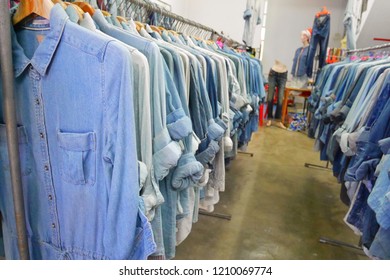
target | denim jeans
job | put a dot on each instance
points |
(321, 30)
(279, 80)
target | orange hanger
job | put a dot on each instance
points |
(59, 2)
(106, 14)
(28, 7)
(139, 25)
(86, 7)
(156, 29)
(79, 11)
(121, 19)
(324, 11)
(173, 32)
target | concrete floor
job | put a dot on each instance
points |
(279, 208)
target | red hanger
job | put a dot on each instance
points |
(324, 11)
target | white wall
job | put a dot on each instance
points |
(376, 25)
(220, 15)
(287, 18)
(178, 6)
(370, 4)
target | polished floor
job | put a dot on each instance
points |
(280, 209)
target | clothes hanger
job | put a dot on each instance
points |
(156, 29)
(139, 25)
(28, 7)
(59, 2)
(79, 11)
(324, 11)
(86, 7)
(106, 14)
(121, 19)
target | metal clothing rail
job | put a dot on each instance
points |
(154, 8)
(378, 47)
(180, 24)
(7, 77)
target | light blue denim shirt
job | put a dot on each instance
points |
(78, 154)
(166, 152)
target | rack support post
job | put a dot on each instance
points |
(11, 128)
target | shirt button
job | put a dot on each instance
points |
(53, 225)
(46, 168)
(37, 101)
(42, 135)
(50, 197)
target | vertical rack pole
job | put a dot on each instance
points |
(10, 121)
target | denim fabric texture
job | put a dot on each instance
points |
(380, 248)
(166, 152)
(76, 139)
(276, 80)
(320, 36)
(379, 199)
(299, 62)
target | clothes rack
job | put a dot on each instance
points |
(180, 24)
(11, 128)
(377, 47)
(325, 240)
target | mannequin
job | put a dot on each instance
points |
(279, 67)
(298, 72)
(277, 78)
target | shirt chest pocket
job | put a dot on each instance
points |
(77, 157)
(24, 152)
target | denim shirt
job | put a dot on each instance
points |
(379, 199)
(78, 154)
(151, 195)
(166, 152)
(299, 62)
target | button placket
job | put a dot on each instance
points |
(41, 130)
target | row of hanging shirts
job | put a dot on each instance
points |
(351, 110)
(124, 129)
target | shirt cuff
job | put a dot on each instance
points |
(188, 173)
(179, 124)
(209, 154)
(215, 131)
(166, 156)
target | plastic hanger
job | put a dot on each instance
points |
(156, 29)
(106, 14)
(86, 7)
(121, 19)
(79, 11)
(139, 25)
(59, 2)
(28, 7)
(324, 11)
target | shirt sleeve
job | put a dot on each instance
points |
(120, 157)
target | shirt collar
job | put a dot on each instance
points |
(45, 51)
